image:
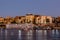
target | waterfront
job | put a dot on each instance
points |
(15, 34)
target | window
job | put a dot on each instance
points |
(47, 20)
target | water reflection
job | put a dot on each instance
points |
(11, 34)
(34, 35)
(29, 37)
(14, 34)
(19, 35)
(23, 35)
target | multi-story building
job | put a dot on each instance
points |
(37, 19)
(43, 19)
(1, 19)
(17, 19)
(22, 19)
(49, 19)
(29, 18)
(46, 19)
(8, 20)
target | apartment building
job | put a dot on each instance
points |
(17, 19)
(29, 18)
(46, 19)
(8, 20)
(43, 19)
(22, 19)
(49, 19)
(1, 19)
(37, 19)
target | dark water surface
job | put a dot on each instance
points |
(14, 34)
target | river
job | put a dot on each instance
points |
(16, 34)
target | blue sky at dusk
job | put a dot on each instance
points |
(21, 7)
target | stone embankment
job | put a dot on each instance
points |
(27, 26)
(20, 26)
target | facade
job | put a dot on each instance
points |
(17, 19)
(46, 19)
(32, 20)
(22, 19)
(1, 19)
(50, 19)
(43, 19)
(8, 20)
(37, 19)
(29, 18)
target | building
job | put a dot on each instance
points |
(29, 18)
(49, 19)
(17, 19)
(1, 19)
(8, 20)
(37, 19)
(43, 19)
(22, 19)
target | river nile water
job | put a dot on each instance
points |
(16, 34)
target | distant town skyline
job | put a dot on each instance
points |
(21, 7)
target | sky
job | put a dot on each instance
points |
(22, 7)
